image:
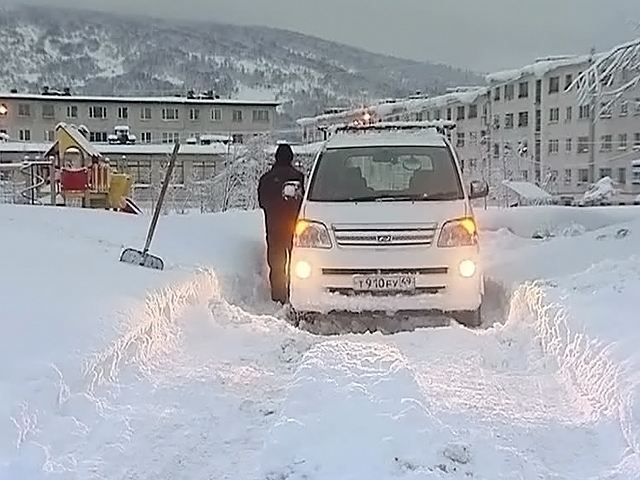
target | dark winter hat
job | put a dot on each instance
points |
(284, 155)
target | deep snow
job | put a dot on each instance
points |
(111, 371)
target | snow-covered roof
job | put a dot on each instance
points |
(465, 96)
(118, 149)
(426, 137)
(79, 139)
(140, 99)
(527, 190)
(539, 68)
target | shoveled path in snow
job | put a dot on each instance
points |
(239, 395)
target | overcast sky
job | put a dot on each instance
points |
(482, 35)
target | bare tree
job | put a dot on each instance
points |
(610, 75)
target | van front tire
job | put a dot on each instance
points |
(469, 318)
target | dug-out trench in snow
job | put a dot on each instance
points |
(249, 290)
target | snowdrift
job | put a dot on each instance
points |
(118, 372)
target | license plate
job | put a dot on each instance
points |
(384, 283)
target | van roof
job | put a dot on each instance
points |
(350, 139)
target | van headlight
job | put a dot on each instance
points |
(461, 232)
(311, 235)
(467, 268)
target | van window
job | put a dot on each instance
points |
(403, 173)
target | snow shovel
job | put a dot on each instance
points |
(143, 258)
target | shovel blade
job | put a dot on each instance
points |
(136, 257)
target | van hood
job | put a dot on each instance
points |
(384, 213)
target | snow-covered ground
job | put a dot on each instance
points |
(116, 372)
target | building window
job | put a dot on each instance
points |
(72, 111)
(419, 116)
(538, 120)
(48, 111)
(636, 110)
(24, 110)
(583, 175)
(238, 138)
(98, 137)
(194, 114)
(202, 170)
(568, 145)
(460, 139)
(237, 116)
(496, 121)
(25, 135)
(624, 108)
(262, 116)
(473, 138)
(496, 150)
(635, 174)
(97, 112)
(509, 92)
(636, 141)
(605, 110)
(140, 171)
(178, 174)
(554, 115)
(525, 175)
(170, 114)
(449, 114)
(583, 144)
(123, 113)
(554, 85)
(145, 137)
(523, 119)
(606, 143)
(49, 136)
(622, 141)
(568, 115)
(622, 176)
(554, 146)
(508, 120)
(496, 94)
(460, 113)
(473, 111)
(568, 80)
(145, 113)
(437, 114)
(523, 90)
(567, 176)
(584, 112)
(605, 172)
(170, 137)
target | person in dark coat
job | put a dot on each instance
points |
(280, 215)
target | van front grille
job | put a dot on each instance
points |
(384, 235)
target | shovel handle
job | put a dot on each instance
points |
(163, 191)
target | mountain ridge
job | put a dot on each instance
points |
(109, 53)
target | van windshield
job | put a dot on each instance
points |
(369, 174)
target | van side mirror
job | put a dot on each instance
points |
(292, 189)
(478, 189)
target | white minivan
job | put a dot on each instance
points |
(386, 225)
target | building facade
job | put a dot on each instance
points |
(527, 124)
(153, 120)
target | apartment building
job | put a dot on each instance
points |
(153, 120)
(567, 145)
(527, 124)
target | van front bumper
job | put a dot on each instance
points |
(439, 285)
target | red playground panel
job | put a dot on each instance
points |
(74, 180)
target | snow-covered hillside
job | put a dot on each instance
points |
(99, 53)
(113, 372)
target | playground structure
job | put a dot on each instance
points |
(75, 174)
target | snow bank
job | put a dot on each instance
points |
(537, 69)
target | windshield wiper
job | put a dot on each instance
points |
(403, 198)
